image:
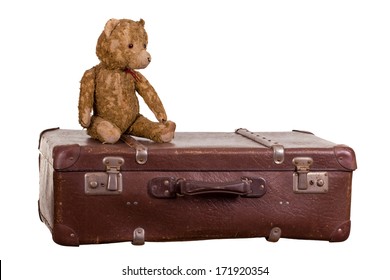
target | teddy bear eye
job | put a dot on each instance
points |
(131, 46)
(144, 46)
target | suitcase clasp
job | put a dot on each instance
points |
(305, 181)
(105, 183)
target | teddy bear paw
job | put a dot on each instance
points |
(168, 133)
(107, 133)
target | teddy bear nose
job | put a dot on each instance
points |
(149, 59)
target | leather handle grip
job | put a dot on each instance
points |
(240, 187)
(170, 187)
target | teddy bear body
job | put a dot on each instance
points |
(108, 104)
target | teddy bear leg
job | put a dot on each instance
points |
(158, 132)
(104, 131)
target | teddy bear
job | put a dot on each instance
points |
(108, 105)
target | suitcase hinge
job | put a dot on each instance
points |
(109, 182)
(305, 181)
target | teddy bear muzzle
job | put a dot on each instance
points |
(139, 61)
(143, 61)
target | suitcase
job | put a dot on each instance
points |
(200, 186)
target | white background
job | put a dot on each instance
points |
(321, 66)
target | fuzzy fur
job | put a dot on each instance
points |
(108, 104)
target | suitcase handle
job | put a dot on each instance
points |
(170, 187)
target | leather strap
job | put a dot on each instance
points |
(141, 152)
(277, 148)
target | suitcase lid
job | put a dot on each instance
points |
(74, 150)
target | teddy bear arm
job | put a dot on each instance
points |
(151, 98)
(86, 99)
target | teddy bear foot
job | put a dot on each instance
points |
(168, 133)
(108, 133)
(158, 132)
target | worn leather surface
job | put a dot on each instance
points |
(214, 157)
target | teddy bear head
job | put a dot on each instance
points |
(122, 45)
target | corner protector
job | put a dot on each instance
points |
(64, 235)
(341, 233)
(345, 156)
(65, 156)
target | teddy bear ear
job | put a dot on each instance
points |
(110, 25)
(142, 22)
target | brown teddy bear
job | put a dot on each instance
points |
(108, 105)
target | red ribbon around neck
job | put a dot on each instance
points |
(132, 73)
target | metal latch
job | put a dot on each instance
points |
(305, 181)
(105, 183)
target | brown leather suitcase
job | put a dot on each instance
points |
(201, 186)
